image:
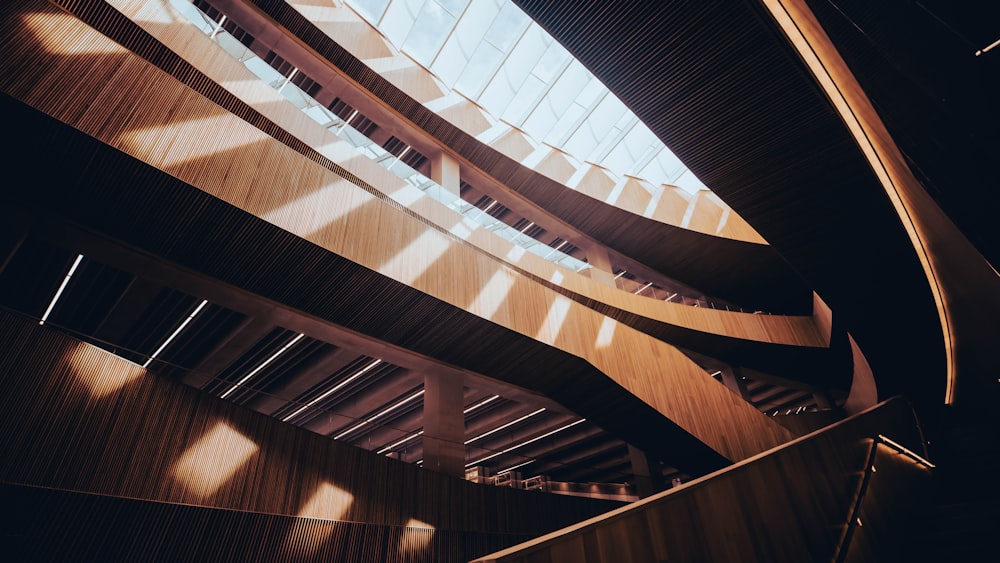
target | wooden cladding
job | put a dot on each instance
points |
(54, 525)
(75, 417)
(231, 153)
(792, 504)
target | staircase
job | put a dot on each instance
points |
(961, 520)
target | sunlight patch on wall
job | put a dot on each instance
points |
(607, 334)
(317, 209)
(554, 320)
(60, 34)
(329, 502)
(416, 537)
(171, 143)
(212, 460)
(98, 372)
(411, 262)
(492, 294)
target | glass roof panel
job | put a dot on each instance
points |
(492, 53)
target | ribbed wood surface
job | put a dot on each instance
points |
(75, 417)
(258, 257)
(55, 525)
(720, 85)
(790, 505)
(712, 264)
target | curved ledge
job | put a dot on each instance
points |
(749, 274)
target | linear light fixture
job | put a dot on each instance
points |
(513, 467)
(335, 388)
(556, 249)
(262, 366)
(643, 288)
(421, 432)
(511, 423)
(379, 415)
(988, 48)
(400, 442)
(481, 403)
(522, 444)
(62, 286)
(176, 332)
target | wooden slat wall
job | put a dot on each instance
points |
(75, 417)
(246, 167)
(791, 504)
(55, 525)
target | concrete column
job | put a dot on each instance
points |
(445, 173)
(444, 425)
(601, 270)
(648, 475)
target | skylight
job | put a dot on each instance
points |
(492, 53)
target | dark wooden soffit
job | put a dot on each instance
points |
(78, 180)
(916, 62)
(751, 275)
(719, 84)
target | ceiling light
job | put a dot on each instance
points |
(511, 423)
(379, 415)
(62, 286)
(176, 332)
(262, 366)
(336, 388)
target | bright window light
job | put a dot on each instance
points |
(62, 287)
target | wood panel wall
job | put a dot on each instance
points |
(791, 504)
(169, 123)
(74, 417)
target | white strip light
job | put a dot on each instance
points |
(513, 467)
(516, 446)
(643, 288)
(379, 415)
(511, 423)
(403, 441)
(262, 366)
(176, 332)
(335, 388)
(421, 432)
(62, 286)
(481, 403)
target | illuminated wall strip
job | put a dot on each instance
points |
(421, 432)
(379, 415)
(176, 332)
(511, 423)
(522, 444)
(62, 286)
(336, 388)
(262, 366)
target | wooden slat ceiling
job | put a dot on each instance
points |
(751, 275)
(718, 83)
